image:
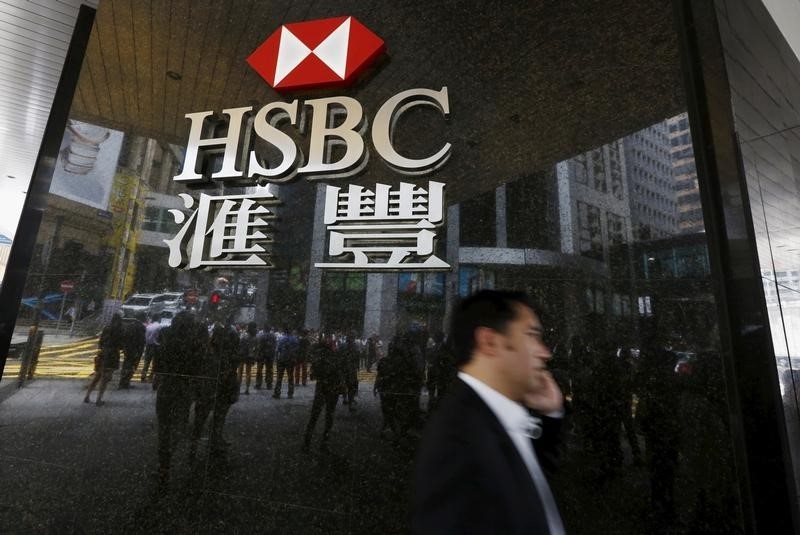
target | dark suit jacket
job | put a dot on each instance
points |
(469, 476)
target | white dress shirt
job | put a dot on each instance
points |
(514, 418)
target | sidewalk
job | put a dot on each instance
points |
(73, 467)
(51, 337)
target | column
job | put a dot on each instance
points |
(314, 290)
(451, 279)
(501, 228)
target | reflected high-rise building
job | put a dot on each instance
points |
(687, 192)
(653, 206)
(587, 211)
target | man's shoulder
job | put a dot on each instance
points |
(461, 415)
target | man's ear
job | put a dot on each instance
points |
(486, 341)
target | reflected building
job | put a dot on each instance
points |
(653, 207)
(563, 179)
(684, 171)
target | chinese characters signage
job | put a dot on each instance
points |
(368, 229)
(396, 226)
(226, 230)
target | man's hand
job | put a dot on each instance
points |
(547, 398)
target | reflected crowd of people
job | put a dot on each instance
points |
(652, 403)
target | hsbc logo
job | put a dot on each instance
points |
(370, 229)
(320, 53)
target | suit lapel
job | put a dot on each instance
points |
(517, 466)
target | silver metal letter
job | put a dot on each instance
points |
(231, 143)
(266, 130)
(386, 118)
(322, 134)
(384, 228)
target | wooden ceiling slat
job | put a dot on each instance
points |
(228, 64)
(109, 61)
(123, 24)
(245, 84)
(216, 31)
(489, 62)
(142, 38)
(198, 25)
(179, 24)
(89, 100)
(78, 103)
(95, 74)
(160, 18)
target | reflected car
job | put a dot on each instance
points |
(166, 316)
(138, 304)
(165, 301)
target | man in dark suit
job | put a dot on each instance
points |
(479, 469)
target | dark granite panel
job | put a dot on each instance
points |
(764, 74)
(39, 497)
(632, 302)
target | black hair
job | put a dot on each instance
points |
(486, 308)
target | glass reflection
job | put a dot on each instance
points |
(772, 168)
(231, 370)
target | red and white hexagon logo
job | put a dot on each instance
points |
(318, 53)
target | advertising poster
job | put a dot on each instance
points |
(87, 163)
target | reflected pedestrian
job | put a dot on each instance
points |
(301, 367)
(349, 360)
(383, 388)
(374, 346)
(218, 388)
(627, 391)
(285, 358)
(406, 383)
(660, 421)
(107, 360)
(151, 337)
(248, 352)
(327, 370)
(182, 349)
(266, 356)
(437, 359)
(134, 339)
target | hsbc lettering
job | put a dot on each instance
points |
(334, 121)
(370, 227)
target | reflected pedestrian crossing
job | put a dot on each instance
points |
(76, 361)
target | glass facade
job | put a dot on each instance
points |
(763, 83)
(572, 177)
